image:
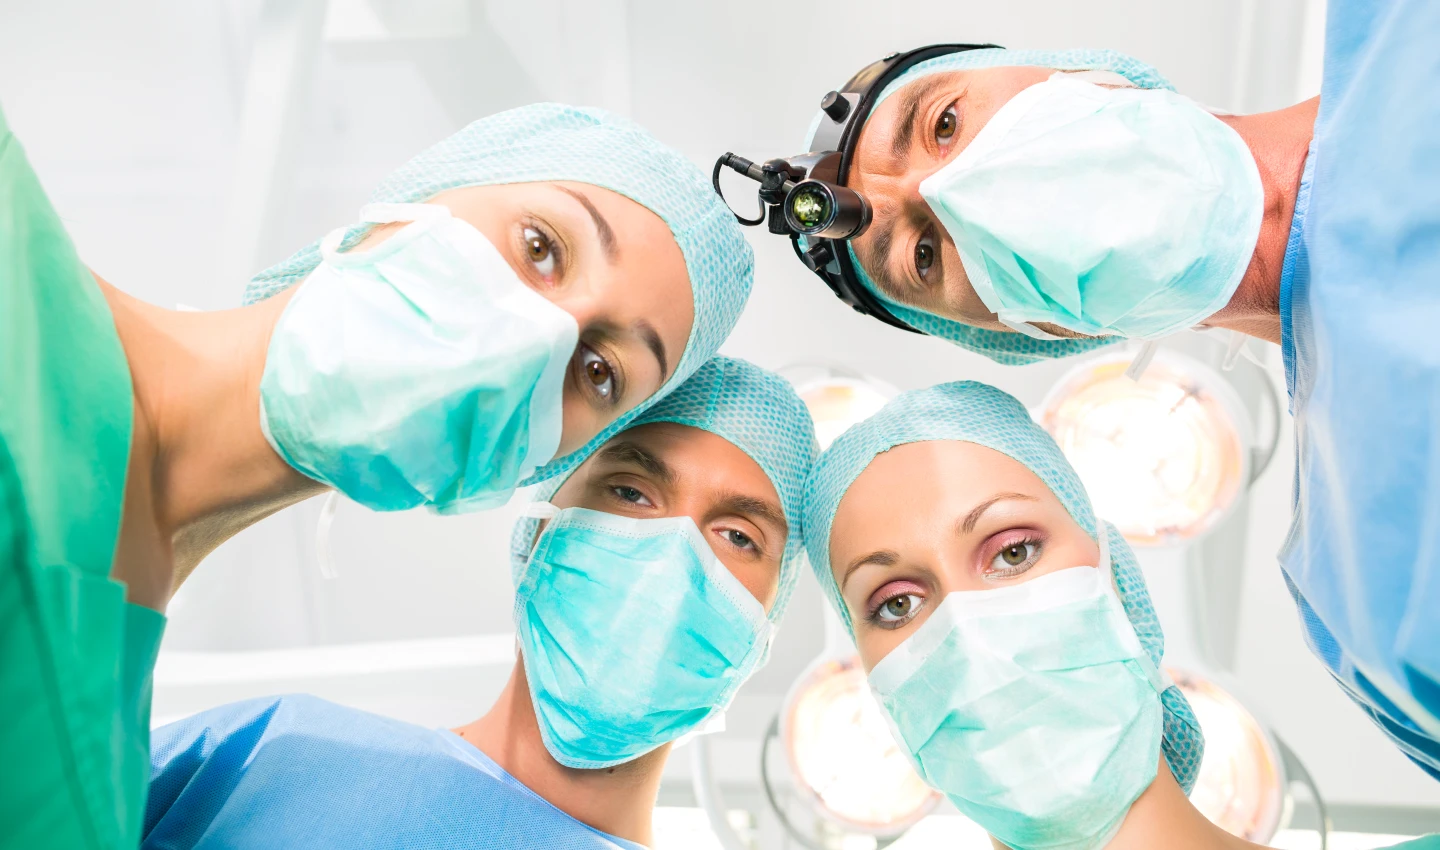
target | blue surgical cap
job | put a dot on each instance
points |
(551, 141)
(756, 411)
(978, 413)
(1010, 349)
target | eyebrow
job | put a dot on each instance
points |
(909, 110)
(656, 345)
(968, 524)
(626, 452)
(608, 242)
(880, 252)
(879, 558)
(764, 509)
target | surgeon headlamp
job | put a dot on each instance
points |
(805, 196)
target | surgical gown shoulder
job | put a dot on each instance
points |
(1360, 312)
(298, 772)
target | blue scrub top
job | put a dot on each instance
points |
(297, 771)
(1360, 314)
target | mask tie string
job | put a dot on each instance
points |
(1142, 359)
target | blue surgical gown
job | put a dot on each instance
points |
(1360, 318)
(299, 772)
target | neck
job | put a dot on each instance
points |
(1164, 816)
(1279, 142)
(200, 469)
(618, 800)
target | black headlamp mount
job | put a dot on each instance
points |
(805, 196)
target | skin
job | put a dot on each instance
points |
(656, 470)
(928, 519)
(918, 129)
(200, 469)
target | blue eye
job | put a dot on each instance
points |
(631, 495)
(738, 539)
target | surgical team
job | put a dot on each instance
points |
(539, 300)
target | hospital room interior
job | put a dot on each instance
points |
(188, 145)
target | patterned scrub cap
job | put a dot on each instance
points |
(551, 141)
(1009, 349)
(972, 412)
(756, 411)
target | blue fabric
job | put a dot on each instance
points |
(1360, 301)
(298, 772)
(551, 141)
(1010, 349)
(756, 411)
(972, 412)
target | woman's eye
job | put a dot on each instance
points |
(631, 495)
(898, 609)
(946, 125)
(597, 372)
(540, 252)
(1014, 559)
(924, 256)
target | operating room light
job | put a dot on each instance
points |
(1242, 786)
(842, 755)
(836, 400)
(1164, 457)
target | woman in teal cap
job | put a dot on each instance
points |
(537, 280)
(1007, 631)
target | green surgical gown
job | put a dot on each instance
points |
(75, 658)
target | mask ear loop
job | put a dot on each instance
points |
(1029, 330)
(540, 510)
(323, 555)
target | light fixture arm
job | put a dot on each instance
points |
(772, 732)
(1295, 772)
(707, 792)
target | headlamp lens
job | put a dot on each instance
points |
(811, 207)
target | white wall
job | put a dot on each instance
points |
(131, 114)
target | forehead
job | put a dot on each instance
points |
(918, 478)
(701, 460)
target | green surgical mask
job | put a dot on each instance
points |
(419, 372)
(1107, 211)
(1033, 708)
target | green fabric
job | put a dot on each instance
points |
(1424, 842)
(75, 658)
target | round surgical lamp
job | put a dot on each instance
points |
(1164, 457)
(842, 757)
(836, 397)
(1245, 776)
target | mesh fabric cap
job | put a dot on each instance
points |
(978, 413)
(1010, 349)
(549, 141)
(756, 411)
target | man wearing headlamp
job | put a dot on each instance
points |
(1034, 204)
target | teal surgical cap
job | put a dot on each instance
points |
(551, 141)
(978, 413)
(1010, 349)
(756, 411)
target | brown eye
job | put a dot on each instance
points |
(598, 373)
(946, 126)
(924, 256)
(539, 251)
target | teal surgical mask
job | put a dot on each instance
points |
(1107, 211)
(632, 634)
(1034, 708)
(422, 371)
